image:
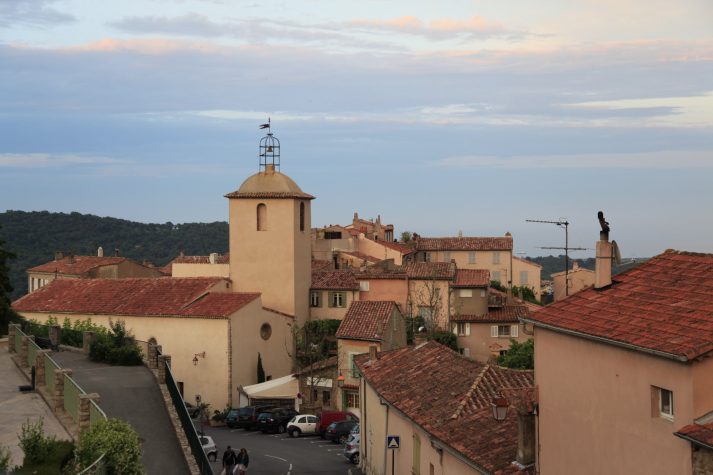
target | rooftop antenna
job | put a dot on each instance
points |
(269, 150)
(563, 223)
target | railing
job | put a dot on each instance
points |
(50, 367)
(95, 414)
(32, 353)
(97, 468)
(71, 397)
(18, 339)
(188, 427)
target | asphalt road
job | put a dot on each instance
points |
(279, 454)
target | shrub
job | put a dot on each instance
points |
(445, 338)
(220, 416)
(118, 441)
(33, 442)
(5, 458)
(519, 356)
(125, 356)
(116, 347)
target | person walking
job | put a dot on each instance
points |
(229, 461)
(243, 461)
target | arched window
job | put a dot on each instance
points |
(261, 217)
(302, 216)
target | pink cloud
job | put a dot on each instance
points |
(473, 26)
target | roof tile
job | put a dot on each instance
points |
(464, 244)
(365, 320)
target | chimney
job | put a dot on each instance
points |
(58, 255)
(602, 271)
(100, 252)
(460, 233)
(525, 439)
(372, 353)
(70, 258)
(575, 265)
(213, 258)
(116, 252)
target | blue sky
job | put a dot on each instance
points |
(440, 116)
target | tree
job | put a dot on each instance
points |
(119, 443)
(7, 315)
(406, 236)
(519, 356)
(314, 342)
(260, 370)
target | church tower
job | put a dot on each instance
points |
(270, 241)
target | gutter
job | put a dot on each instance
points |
(601, 339)
(693, 441)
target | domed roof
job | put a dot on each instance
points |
(269, 184)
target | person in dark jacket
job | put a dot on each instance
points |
(229, 460)
(243, 461)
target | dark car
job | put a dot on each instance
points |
(247, 417)
(193, 411)
(231, 420)
(275, 420)
(339, 431)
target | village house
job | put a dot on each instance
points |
(367, 323)
(624, 365)
(331, 294)
(569, 283)
(69, 266)
(372, 229)
(440, 405)
(212, 265)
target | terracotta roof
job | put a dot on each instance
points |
(449, 397)
(701, 434)
(527, 261)
(320, 365)
(472, 278)
(361, 255)
(381, 272)
(664, 305)
(334, 280)
(505, 314)
(431, 270)
(76, 265)
(146, 296)
(464, 244)
(320, 264)
(168, 268)
(365, 320)
(267, 195)
(395, 246)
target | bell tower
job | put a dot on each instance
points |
(270, 242)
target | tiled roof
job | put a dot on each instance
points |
(365, 320)
(269, 195)
(361, 255)
(431, 270)
(527, 261)
(168, 268)
(320, 365)
(381, 272)
(395, 246)
(320, 264)
(504, 314)
(464, 244)
(449, 397)
(76, 265)
(472, 278)
(334, 280)
(701, 434)
(663, 306)
(146, 296)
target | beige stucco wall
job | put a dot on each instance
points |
(477, 304)
(275, 262)
(534, 275)
(200, 270)
(394, 332)
(482, 346)
(422, 292)
(579, 279)
(375, 249)
(483, 260)
(326, 312)
(595, 408)
(395, 290)
(276, 352)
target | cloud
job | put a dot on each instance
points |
(441, 29)
(34, 13)
(669, 160)
(45, 160)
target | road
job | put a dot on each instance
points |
(279, 454)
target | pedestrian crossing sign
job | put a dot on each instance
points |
(393, 441)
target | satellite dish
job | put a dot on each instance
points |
(616, 254)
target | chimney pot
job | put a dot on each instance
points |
(372, 353)
(58, 255)
(116, 252)
(213, 258)
(100, 251)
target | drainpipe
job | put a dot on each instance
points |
(386, 433)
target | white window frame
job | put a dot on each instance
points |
(501, 331)
(462, 329)
(471, 257)
(465, 293)
(315, 298)
(337, 299)
(663, 412)
(364, 285)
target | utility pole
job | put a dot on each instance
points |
(563, 223)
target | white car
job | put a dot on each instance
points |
(303, 424)
(209, 447)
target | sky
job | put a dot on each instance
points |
(447, 116)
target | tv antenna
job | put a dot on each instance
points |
(563, 223)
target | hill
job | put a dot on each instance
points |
(35, 236)
(553, 264)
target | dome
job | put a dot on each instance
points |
(269, 184)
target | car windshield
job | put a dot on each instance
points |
(293, 420)
(232, 413)
(264, 415)
(355, 429)
(332, 425)
(246, 411)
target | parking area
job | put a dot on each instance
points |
(282, 454)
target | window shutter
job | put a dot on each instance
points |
(494, 331)
(513, 331)
(455, 329)
(467, 329)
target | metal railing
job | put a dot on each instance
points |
(95, 414)
(72, 390)
(32, 352)
(50, 367)
(18, 339)
(96, 468)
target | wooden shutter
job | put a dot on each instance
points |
(494, 331)
(467, 329)
(513, 331)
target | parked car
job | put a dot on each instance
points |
(193, 411)
(303, 424)
(338, 432)
(327, 417)
(231, 420)
(247, 416)
(351, 449)
(355, 430)
(275, 420)
(209, 447)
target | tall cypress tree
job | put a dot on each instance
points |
(260, 370)
(7, 315)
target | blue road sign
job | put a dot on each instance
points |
(393, 441)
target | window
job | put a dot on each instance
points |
(466, 292)
(302, 420)
(364, 285)
(326, 398)
(664, 402)
(312, 419)
(338, 299)
(352, 364)
(495, 275)
(426, 257)
(523, 277)
(463, 329)
(352, 399)
(302, 216)
(315, 299)
(447, 256)
(332, 235)
(425, 312)
(471, 257)
(496, 257)
(261, 217)
(265, 331)
(500, 331)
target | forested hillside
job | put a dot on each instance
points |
(35, 236)
(554, 264)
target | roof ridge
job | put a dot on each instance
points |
(469, 394)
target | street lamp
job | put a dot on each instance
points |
(500, 408)
(340, 380)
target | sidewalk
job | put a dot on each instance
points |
(17, 407)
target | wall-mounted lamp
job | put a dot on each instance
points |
(340, 380)
(500, 408)
(195, 357)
